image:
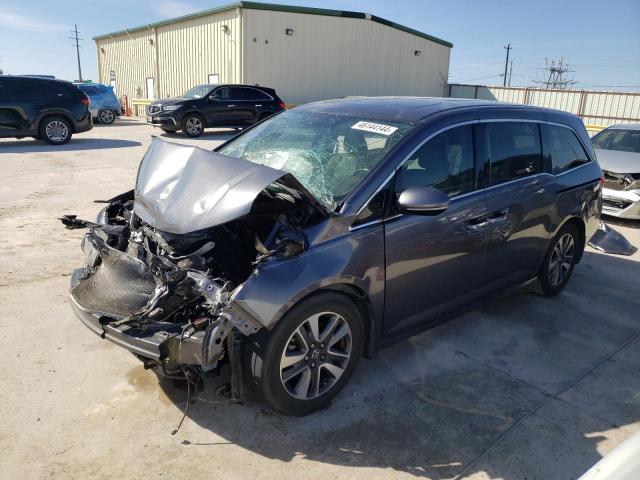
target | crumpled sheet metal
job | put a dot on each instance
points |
(608, 240)
(182, 189)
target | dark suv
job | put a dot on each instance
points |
(51, 110)
(331, 230)
(235, 106)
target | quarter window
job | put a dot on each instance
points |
(514, 150)
(253, 94)
(565, 149)
(445, 162)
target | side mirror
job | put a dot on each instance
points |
(212, 98)
(423, 201)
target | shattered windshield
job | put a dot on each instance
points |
(329, 154)
(198, 92)
(618, 139)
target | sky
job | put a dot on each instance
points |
(599, 40)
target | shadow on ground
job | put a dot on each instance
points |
(222, 134)
(621, 222)
(75, 144)
(522, 387)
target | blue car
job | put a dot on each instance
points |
(105, 106)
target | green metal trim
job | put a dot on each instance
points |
(274, 7)
(417, 33)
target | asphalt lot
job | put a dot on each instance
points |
(522, 388)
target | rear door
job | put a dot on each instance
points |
(434, 262)
(21, 101)
(520, 200)
(11, 114)
(224, 109)
(258, 101)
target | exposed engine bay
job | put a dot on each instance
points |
(167, 296)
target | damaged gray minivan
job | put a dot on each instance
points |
(330, 230)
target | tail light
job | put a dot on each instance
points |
(85, 100)
(282, 105)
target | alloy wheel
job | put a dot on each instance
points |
(107, 116)
(194, 126)
(561, 259)
(316, 355)
(56, 131)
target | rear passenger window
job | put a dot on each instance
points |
(565, 149)
(445, 162)
(514, 150)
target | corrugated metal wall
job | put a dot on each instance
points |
(330, 57)
(186, 52)
(131, 57)
(594, 107)
(191, 50)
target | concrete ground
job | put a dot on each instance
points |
(522, 388)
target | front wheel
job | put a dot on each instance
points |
(106, 116)
(55, 130)
(309, 356)
(192, 125)
(560, 261)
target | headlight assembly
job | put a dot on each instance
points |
(170, 108)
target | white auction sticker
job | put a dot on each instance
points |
(375, 128)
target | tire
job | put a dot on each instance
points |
(326, 365)
(55, 130)
(192, 125)
(106, 116)
(559, 261)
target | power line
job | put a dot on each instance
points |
(77, 45)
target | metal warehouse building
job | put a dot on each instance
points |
(304, 53)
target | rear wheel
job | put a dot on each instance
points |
(106, 116)
(192, 125)
(308, 358)
(560, 261)
(55, 130)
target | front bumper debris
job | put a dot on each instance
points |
(621, 203)
(608, 240)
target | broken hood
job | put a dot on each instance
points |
(182, 189)
(618, 161)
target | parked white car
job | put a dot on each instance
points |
(618, 152)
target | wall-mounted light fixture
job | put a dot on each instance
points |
(417, 53)
(224, 28)
(102, 50)
(150, 41)
(289, 32)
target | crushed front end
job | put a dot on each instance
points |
(168, 296)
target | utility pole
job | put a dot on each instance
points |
(506, 65)
(510, 71)
(76, 41)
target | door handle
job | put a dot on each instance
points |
(477, 227)
(230, 106)
(499, 216)
(476, 224)
(257, 105)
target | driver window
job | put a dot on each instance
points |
(445, 162)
